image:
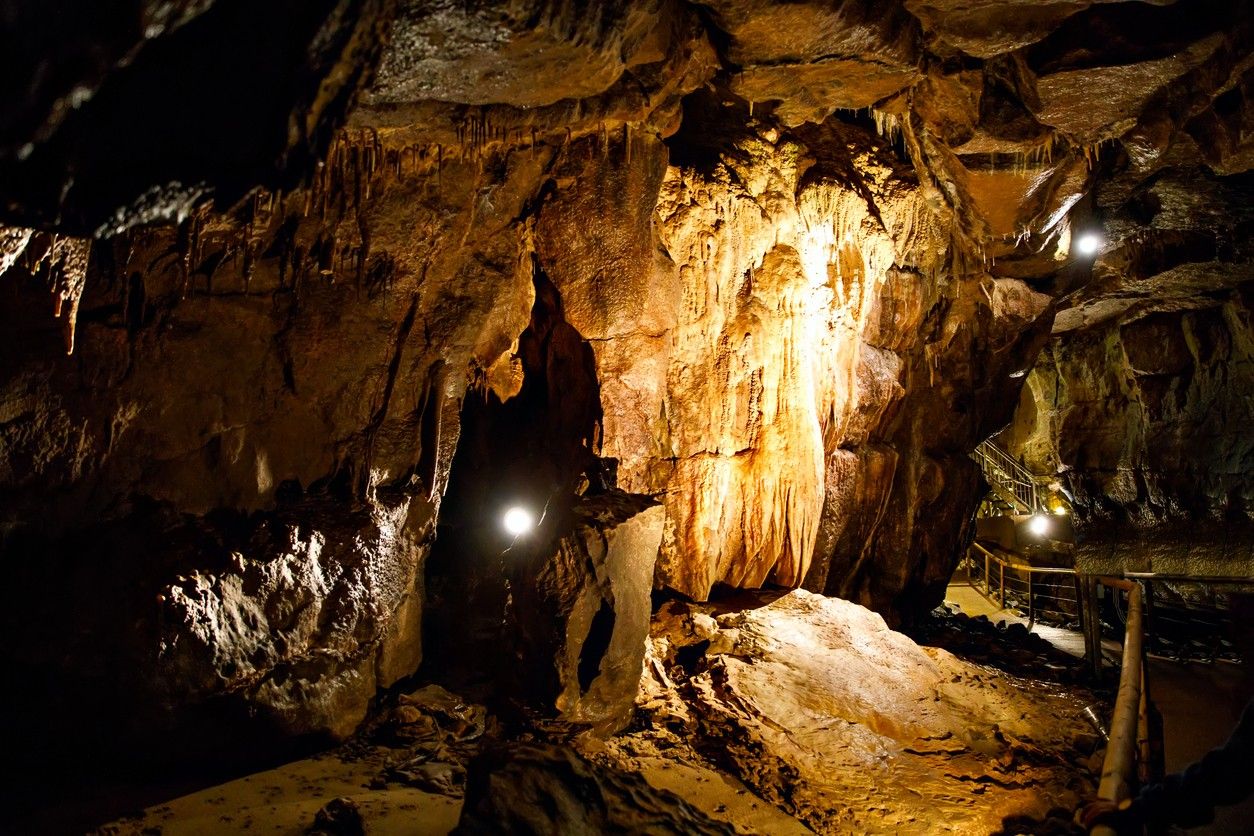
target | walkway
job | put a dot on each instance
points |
(1200, 703)
(967, 598)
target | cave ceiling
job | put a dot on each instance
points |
(1010, 112)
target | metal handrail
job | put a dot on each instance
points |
(1024, 568)
(1003, 471)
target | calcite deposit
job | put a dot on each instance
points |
(848, 726)
(299, 297)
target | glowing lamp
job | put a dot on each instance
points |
(1088, 244)
(1038, 525)
(518, 521)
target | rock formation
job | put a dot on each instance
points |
(778, 266)
(795, 700)
(771, 714)
(1138, 405)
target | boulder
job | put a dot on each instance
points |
(583, 612)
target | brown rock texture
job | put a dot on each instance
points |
(530, 788)
(780, 266)
(821, 710)
(767, 713)
(1139, 405)
(1144, 424)
(583, 615)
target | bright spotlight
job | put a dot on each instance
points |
(518, 521)
(1088, 244)
(1038, 525)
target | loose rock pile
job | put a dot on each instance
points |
(1007, 646)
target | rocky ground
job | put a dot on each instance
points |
(1008, 646)
(764, 713)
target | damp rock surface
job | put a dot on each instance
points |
(781, 266)
(765, 713)
(820, 709)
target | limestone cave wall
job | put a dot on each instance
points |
(769, 270)
(1140, 405)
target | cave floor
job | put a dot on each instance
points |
(1200, 702)
(968, 599)
(286, 799)
(795, 714)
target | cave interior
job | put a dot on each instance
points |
(561, 417)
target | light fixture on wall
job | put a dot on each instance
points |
(1088, 243)
(1038, 525)
(518, 521)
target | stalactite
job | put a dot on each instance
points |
(363, 231)
(1093, 152)
(887, 125)
(67, 260)
(13, 241)
(182, 248)
(247, 271)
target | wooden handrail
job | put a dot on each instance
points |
(1128, 749)
(1119, 766)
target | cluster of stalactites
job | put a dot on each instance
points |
(778, 285)
(320, 230)
(66, 261)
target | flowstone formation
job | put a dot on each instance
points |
(758, 275)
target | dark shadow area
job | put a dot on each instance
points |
(207, 107)
(90, 718)
(533, 451)
(595, 644)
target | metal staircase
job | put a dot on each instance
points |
(1014, 487)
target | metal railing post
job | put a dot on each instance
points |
(1144, 763)
(1002, 594)
(1090, 619)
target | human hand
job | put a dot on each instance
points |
(1110, 813)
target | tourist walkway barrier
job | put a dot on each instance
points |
(1129, 759)
(1134, 751)
(1042, 593)
(1130, 749)
(1011, 482)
